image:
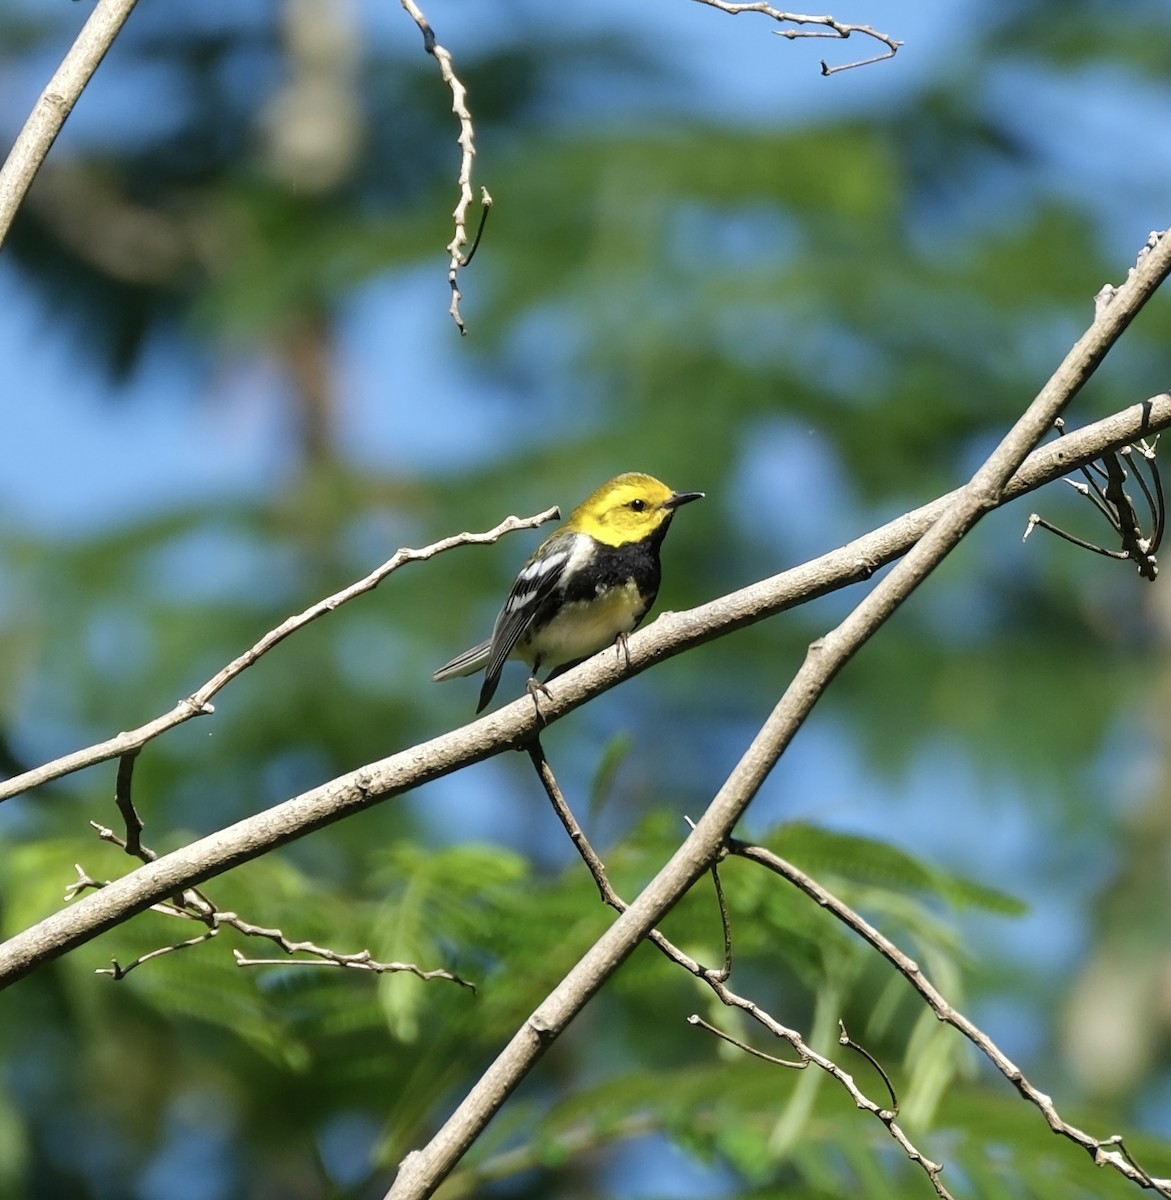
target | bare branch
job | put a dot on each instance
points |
(830, 27)
(844, 1039)
(204, 911)
(671, 633)
(56, 102)
(198, 703)
(357, 962)
(467, 143)
(421, 1172)
(516, 724)
(194, 905)
(322, 955)
(716, 979)
(798, 1064)
(561, 807)
(119, 972)
(725, 926)
(1099, 1149)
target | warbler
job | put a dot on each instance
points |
(588, 585)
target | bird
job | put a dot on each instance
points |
(586, 586)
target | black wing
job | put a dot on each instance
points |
(534, 585)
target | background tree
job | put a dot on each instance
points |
(233, 387)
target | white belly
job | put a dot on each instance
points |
(584, 628)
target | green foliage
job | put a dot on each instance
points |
(867, 861)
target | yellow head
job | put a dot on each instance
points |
(630, 508)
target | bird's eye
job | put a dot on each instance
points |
(638, 505)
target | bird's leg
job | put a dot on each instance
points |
(622, 645)
(535, 687)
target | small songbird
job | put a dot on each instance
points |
(588, 585)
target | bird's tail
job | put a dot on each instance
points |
(467, 663)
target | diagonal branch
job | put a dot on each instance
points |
(421, 1172)
(1101, 1150)
(56, 102)
(672, 633)
(717, 980)
(516, 724)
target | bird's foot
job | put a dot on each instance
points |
(622, 646)
(535, 687)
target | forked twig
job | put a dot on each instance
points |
(195, 905)
(716, 979)
(1100, 1149)
(1105, 488)
(830, 27)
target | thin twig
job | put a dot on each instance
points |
(198, 703)
(725, 925)
(716, 979)
(798, 1064)
(124, 799)
(1152, 492)
(1097, 1148)
(356, 962)
(565, 815)
(56, 102)
(195, 905)
(485, 209)
(467, 143)
(118, 972)
(844, 1039)
(830, 27)
(323, 955)
(590, 856)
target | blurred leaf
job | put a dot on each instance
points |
(865, 860)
